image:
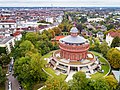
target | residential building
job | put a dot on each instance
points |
(7, 42)
(110, 36)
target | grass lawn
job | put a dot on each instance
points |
(37, 86)
(50, 70)
(105, 66)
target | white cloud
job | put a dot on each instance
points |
(78, 3)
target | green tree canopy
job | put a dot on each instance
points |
(56, 84)
(31, 37)
(116, 42)
(26, 46)
(100, 84)
(57, 30)
(4, 59)
(29, 71)
(112, 82)
(79, 82)
(2, 76)
(113, 57)
(104, 48)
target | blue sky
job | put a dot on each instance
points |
(59, 3)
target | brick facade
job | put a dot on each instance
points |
(73, 52)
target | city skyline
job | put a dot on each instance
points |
(60, 3)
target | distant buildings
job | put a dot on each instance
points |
(95, 19)
(49, 19)
(100, 35)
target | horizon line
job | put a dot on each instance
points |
(62, 6)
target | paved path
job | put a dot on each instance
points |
(15, 84)
(69, 77)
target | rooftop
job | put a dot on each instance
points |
(16, 33)
(57, 38)
(73, 40)
(74, 30)
(4, 40)
(114, 33)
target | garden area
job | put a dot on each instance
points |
(50, 71)
(104, 66)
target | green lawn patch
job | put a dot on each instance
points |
(48, 69)
(105, 66)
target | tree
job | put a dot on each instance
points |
(2, 76)
(99, 84)
(113, 56)
(56, 84)
(2, 50)
(79, 27)
(4, 59)
(28, 70)
(79, 82)
(52, 33)
(112, 82)
(36, 68)
(57, 30)
(61, 26)
(31, 37)
(116, 42)
(110, 26)
(104, 48)
(44, 46)
(94, 44)
(48, 34)
(26, 46)
(83, 19)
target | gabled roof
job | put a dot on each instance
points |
(58, 37)
(114, 33)
(16, 33)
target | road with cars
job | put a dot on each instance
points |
(11, 83)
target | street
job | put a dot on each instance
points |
(12, 79)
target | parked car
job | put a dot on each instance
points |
(7, 74)
(12, 61)
(9, 85)
(10, 68)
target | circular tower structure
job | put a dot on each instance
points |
(73, 47)
(73, 55)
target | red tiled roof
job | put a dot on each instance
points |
(57, 38)
(114, 34)
(1, 36)
(8, 21)
(16, 33)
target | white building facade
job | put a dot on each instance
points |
(8, 43)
